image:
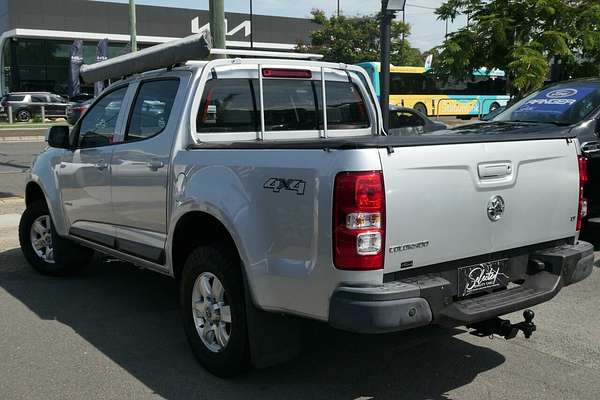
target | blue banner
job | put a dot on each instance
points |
(101, 55)
(75, 65)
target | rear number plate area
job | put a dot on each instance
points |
(482, 277)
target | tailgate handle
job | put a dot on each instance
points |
(495, 170)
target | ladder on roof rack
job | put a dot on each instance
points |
(195, 47)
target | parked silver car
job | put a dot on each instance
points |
(26, 105)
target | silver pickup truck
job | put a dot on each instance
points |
(232, 177)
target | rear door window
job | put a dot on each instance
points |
(152, 108)
(38, 99)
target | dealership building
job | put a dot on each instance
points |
(37, 35)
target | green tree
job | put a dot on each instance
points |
(523, 38)
(356, 39)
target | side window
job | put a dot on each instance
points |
(57, 99)
(406, 83)
(346, 108)
(405, 119)
(38, 99)
(98, 125)
(152, 109)
(228, 105)
(290, 105)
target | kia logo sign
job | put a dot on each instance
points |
(560, 93)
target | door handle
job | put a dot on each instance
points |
(155, 165)
(101, 165)
(494, 170)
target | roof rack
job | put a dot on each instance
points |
(195, 47)
(266, 54)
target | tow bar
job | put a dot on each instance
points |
(504, 328)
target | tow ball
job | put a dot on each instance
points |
(504, 328)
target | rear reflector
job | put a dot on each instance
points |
(583, 179)
(286, 73)
(359, 221)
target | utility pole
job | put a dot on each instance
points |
(388, 12)
(132, 26)
(386, 28)
(403, 35)
(338, 9)
(251, 26)
(217, 23)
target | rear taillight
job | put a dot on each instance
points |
(359, 221)
(583, 178)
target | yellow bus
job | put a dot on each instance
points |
(418, 88)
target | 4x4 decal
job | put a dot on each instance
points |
(279, 184)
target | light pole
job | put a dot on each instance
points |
(217, 24)
(132, 25)
(251, 26)
(388, 12)
(338, 9)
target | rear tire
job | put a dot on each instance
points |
(219, 336)
(494, 106)
(45, 251)
(420, 107)
(24, 115)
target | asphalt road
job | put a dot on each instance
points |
(114, 332)
(15, 160)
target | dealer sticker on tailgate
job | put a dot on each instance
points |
(480, 277)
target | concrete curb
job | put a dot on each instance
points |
(12, 200)
(15, 139)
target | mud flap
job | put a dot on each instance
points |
(272, 338)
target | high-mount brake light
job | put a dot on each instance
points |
(359, 221)
(583, 178)
(286, 73)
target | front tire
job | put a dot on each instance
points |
(213, 308)
(45, 251)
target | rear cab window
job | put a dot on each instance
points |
(293, 108)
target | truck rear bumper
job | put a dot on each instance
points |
(432, 298)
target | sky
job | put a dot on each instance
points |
(427, 31)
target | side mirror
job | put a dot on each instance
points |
(58, 136)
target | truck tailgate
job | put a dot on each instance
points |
(437, 199)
